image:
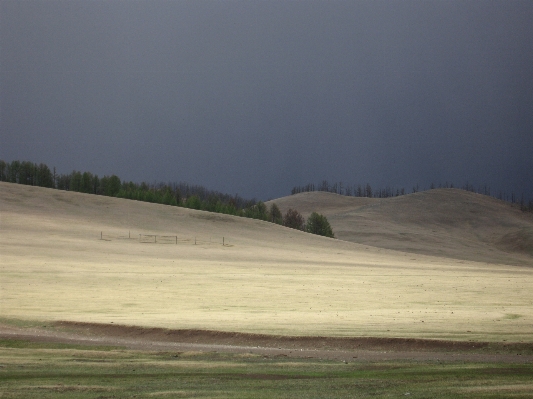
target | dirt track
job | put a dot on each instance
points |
(330, 348)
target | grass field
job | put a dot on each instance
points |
(57, 371)
(265, 279)
(268, 279)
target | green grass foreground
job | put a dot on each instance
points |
(35, 370)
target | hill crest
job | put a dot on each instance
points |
(445, 222)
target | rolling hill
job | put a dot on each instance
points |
(443, 222)
(87, 258)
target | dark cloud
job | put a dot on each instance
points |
(256, 97)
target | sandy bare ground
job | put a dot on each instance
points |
(343, 349)
(266, 279)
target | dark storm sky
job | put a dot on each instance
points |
(255, 97)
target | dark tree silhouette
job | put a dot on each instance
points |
(275, 215)
(3, 170)
(45, 178)
(75, 181)
(294, 220)
(368, 190)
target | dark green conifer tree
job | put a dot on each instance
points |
(275, 215)
(318, 224)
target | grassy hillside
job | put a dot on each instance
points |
(266, 278)
(444, 222)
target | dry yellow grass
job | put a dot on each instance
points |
(444, 222)
(269, 279)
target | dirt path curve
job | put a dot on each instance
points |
(330, 348)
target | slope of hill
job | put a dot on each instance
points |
(443, 222)
(264, 279)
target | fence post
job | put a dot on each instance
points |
(222, 241)
(176, 240)
(101, 235)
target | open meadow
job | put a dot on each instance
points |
(75, 257)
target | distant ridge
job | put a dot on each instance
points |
(446, 222)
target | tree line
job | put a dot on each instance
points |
(173, 194)
(315, 224)
(26, 173)
(349, 190)
(366, 190)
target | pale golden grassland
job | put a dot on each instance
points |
(53, 266)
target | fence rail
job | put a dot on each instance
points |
(165, 239)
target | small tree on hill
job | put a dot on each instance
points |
(110, 185)
(368, 190)
(169, 198)
(86, 182)
(294, 220)
(257, 211)
(193, 202)
(275, 215)
(3, 170)
(75, 181)
(318, 224)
